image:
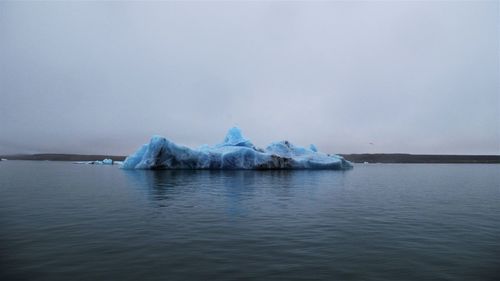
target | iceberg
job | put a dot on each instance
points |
(235, 152)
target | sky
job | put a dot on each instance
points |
(350, 77)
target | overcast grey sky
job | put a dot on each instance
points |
(89, 77)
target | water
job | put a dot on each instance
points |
(60, 221)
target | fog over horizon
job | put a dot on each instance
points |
(349, 77)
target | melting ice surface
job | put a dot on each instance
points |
(235, 152)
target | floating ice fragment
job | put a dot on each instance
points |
(106, 161)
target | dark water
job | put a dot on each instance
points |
(60, 221)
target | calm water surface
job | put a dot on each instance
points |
(60, 221)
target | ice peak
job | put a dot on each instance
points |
(234, 137)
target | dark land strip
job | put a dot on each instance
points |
(355, 158)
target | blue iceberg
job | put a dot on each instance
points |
(235, 152)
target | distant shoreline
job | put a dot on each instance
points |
(355, 158)
(62, 157)
(422, 158)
